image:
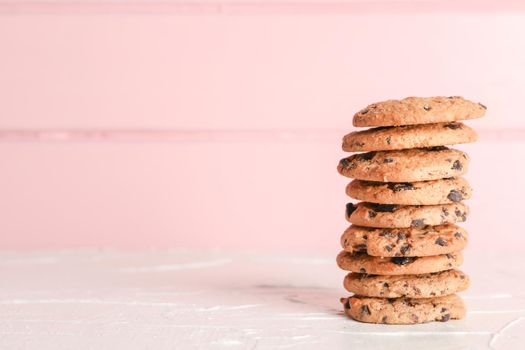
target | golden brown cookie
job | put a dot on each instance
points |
(426, 285)
(409, 136)
(412, 241)
(418, 110)
(432, 192)
(363, 263)
(404, 310)
(393, 215)
(417, 164)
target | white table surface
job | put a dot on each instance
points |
(186, 299)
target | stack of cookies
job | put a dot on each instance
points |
(404, 247)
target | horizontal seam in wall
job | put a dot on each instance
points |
(197, 135)
(257, 7)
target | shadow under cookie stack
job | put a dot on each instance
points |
(404, 247)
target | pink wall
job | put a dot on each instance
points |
(216, 126)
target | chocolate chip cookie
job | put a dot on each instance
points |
(393, 215)
(411, 286)
(404, 310)
(418, 110)
(417, 164)
(443, 191)
(363, 263)
(412, 241)
(408, 136)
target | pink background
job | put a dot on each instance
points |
(218, 124)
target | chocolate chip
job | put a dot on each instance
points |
(362, 270)
(444, 309)
(460, 215)
(404, 249)
(455, 196)
(365, 156)
(344, 162)
(388, 160)
(427, 108)
(401, 236)
(452, 126)
(384, 319)
(437, 148)
(365, 310)
(388, 248)
(400, 186)
(457, 165)
(453, 97)
(350, 208)
(403, 260)
(388, 139)
(364, 111)
(482, 105)
(386, 285)
(440, 241)
(450, 256)
(360, 247)
(445, 318)
(445, 211)
(458, 235)
(417, 223)
(372, 214)
(372, 183)
(383, 208)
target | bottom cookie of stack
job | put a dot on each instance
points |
(404, 310)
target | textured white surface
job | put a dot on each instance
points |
(182, 299)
